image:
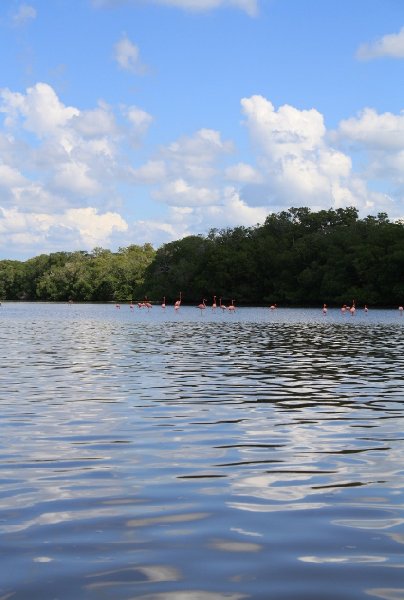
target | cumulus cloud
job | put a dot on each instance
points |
(380, 137)
(249, 6)
(230, 211)
(10, 177)
(242, 173)
(95, 123)
(75, 177)
(127, 56)
(23, 15)
(180, 193)
(375, 130)
(56, 160)
(73, 154)
(81, 227)
(41, 110)
(67, 174)
(296, 162)
(159, 231)
(196, 157)
(139, 121)
(390, 45)
(139, 118)
(152, 172)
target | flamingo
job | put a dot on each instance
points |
(222, 306)
(343, 308)
(164, 303)
(131, 305)
(231, 306)
(178, 302)
(141, 304)
(401, 308)
(117, 306)
(273, 306)
(202, 305)
(365, 309)
(214, 305)
(147, 304)
(353, 308)
(324, 309)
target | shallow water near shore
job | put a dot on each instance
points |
(192, 455)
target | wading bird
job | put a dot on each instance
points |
(178, 302)
(202, 305)
(231, 306)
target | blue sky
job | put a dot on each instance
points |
(132, 121)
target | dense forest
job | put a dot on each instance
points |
(297, 257)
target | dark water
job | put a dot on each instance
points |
(163, 456)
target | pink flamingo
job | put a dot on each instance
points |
(273, 306)
(164, 303)
(231, 306)
(178, 302)
(222, 306)
(202, 305)
(365, 309)
(117, 306)
(131, 305)
(353, 308)
(401, 308)
(147, 304)
(214, 305)
(343, 308)
(324, 309)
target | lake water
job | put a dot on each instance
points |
(167, 455)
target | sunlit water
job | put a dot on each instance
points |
(167, 455)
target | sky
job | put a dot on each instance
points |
(143, 121)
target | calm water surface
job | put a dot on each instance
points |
(217, 456)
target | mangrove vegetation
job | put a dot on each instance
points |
(296, 257)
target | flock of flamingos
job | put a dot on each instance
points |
(146, 304)
(232, 307)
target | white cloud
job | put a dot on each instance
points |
(10, 177)
(238, 211)
(94, 229)
(242, 173)
(196, 157)
(229, 211)
(81, 227)
(152, 172)
(160, 232)
(56, 160)
(24, 14)
(42, 112)
(204, 146)
(180, 193)
(288, 131)
(249, 6)
(296, 162)
(139, 119)
(390, 45)
(74, 176)
(127, 55)
(95, 123)
(72, 154)
(380, 138)
(375, 130)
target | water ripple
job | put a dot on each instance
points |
(177, 455)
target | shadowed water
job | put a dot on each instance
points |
(167, 455)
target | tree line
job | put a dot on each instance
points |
(296, 257)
